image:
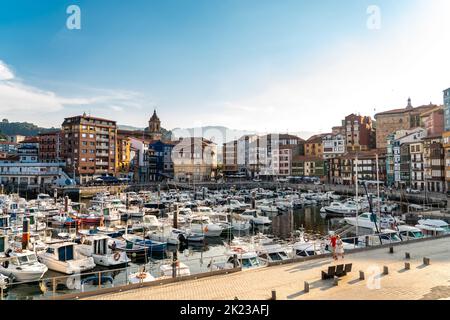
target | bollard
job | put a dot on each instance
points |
(391, 249)
(361, 275)
(385, 270)
(306, 287)
(335, 281)
(274, 295)
(407, 266)
(426, 261)
(407, 255)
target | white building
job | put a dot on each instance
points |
(333, 145)
(31, 174)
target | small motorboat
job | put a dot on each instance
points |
(140, 277)
(23, 266)
(4, 282)
(94, 280)
(181, 269)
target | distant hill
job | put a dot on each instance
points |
(21, 128)
(217, 134)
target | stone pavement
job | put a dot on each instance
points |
(420, 282)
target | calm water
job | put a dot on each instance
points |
(197, 256)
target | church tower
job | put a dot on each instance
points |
(154, 127)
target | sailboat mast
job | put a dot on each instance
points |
(357, 196)
(378, 191)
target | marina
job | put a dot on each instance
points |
(52, 247)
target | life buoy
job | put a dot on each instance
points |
(141, 275)
(117, 256)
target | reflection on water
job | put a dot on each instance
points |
(197, 256)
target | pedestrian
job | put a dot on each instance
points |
(339, 248)
(333, 240)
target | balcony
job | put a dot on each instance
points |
(100, 139)
(101, 171)
(102, 147)
(101, 163)
(102, 154)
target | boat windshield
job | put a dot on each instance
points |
(250, 262)
(275, 256)
(417, 234)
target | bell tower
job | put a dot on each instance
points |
(154, 127)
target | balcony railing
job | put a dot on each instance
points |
(101, 163)
(100, 139)
(102, 154)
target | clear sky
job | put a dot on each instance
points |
(265, 65)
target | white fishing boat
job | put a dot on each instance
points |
(22, 266)
(96, 246)
(63, 257)
(347, 208)
(274, 252)
(253, 216)
(140, 277)
(187, 235)
(181, 270)
(238, 256)
(433, 227)
(203, 224)
(148, 222)
(310, 248)
(410, 233)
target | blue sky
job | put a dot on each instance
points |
(238, 63)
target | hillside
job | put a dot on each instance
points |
(21, 128)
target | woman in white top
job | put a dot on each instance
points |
(339, 248)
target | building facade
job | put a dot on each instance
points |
(333, 145)
(89, 147)
(50, 144)
(359, 133)
(434, 163)
(417, 165)
(399, 119)
(194, 160)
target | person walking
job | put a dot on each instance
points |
(333, 240)
(339, 248)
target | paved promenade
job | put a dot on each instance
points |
(420, 282)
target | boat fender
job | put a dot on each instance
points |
(306, 239)
(117, 256)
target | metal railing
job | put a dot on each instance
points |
(95, 282)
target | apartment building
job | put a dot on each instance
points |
(194, 159)
(359, 133)
(333, 145)
(434, 163)
(417, 165)
(89, 147)
(50, 145)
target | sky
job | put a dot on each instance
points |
(259, 65)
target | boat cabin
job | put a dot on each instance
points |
(63, 251)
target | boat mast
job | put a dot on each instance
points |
(378, 191)
(357, 195)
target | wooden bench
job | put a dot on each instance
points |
(339, 271)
